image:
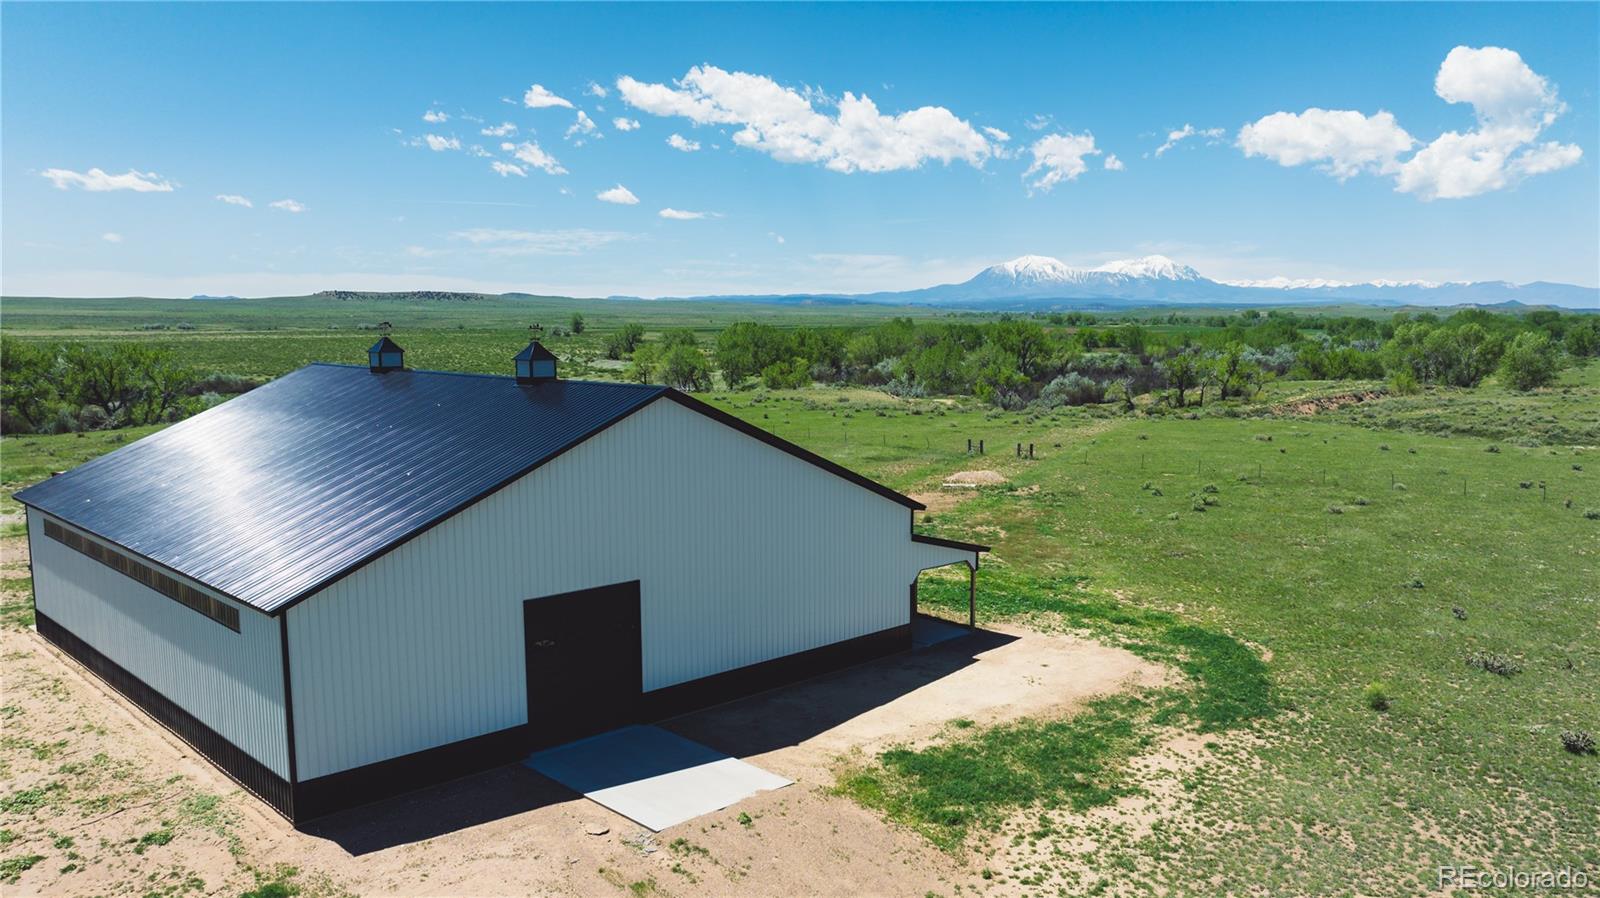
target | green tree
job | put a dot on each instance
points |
(790, 375)
(745, 349)
(680, 336)
(642, 368)
(1026, 341)
(684, 367)
(28, 389)
(577, 323)
(1583, 339)
(1530, 361)
(1183, 373)
(624, 340)
(134, 384)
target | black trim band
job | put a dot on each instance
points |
(408, 773)
(948, 543)
(254, 776)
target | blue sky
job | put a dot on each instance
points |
(829, 148)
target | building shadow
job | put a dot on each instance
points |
(437, 810)
(792, 714)
(753, 725)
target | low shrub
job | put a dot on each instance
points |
(1376, 696)
(1579, 742)
(1493, 662)
(1335, 509)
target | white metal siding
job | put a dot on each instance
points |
(744, 553)
(232, 682)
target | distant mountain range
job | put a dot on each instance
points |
(1040, 282)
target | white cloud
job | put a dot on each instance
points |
(996, 133)
(434, 116)
(1511, 104)
(784, 123)
(620, 195)
(440, 144)
(583, 126)
(625, 124)
(1059, 157)
(97, 181)
(595, 90)
(288, 205)
(682, 215)
(539, 98)
(504, 129)
(530, 152)
(478, 151)
(1039, 122)
(567, 242)
(1499, 86)
(679, 142)
(233, 199)
(777, 237)
(1187, 131)
(1113, 163)
(1342, 142)
(111, 237)
(504, 169)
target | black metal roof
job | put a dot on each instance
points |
(271, 496)
(385, 345)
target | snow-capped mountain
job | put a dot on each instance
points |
(1041, 282)
(1034, 281)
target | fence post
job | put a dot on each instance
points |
(980, 447)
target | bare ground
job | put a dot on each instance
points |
(110, 803)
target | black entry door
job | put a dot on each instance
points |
(585, 672)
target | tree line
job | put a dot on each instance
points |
(47, 388)
(1074, 358)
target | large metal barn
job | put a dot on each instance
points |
(357, 580)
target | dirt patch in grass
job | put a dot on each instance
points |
(1326, 403)
(969, 479)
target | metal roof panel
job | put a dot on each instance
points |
(274, 494)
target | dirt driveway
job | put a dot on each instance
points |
(99, 800)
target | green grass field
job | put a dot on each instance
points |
(1343, 551)
(1280, 562)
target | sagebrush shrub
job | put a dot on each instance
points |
(1493, 662)
(1579, 742)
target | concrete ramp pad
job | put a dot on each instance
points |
(653, 777)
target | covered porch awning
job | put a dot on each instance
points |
(933, 551)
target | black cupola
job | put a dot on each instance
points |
(386, 355)
(535, 364)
